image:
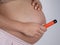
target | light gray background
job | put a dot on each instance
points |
(51, 9)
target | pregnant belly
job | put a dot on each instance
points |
(23, 12)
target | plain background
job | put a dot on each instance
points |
(51, 9)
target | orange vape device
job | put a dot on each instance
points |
(50, 23)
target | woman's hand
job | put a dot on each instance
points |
(36, 4)
(33, 29)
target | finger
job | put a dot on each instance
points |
(36, 7)
(40, 31)
(36, 4)
(43, 28)
(40, 6)
(33, 2)
(37, 34)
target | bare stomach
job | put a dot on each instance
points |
(22, 11)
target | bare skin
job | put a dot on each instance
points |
(24, 11)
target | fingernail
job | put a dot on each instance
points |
(35, 7)
(33, 4)
(38, 8)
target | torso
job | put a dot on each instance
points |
(23, 11)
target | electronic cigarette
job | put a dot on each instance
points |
(50, 23)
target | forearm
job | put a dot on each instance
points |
(6, 23)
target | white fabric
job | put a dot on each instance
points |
(8, 39)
